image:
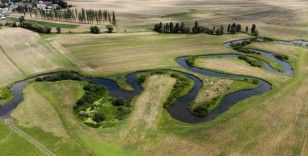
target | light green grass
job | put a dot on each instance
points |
(12, 144)
(5, 95)
(183, 15)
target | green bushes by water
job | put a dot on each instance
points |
(63, 75)
(181, 84)
(251, 61)
(281, 57)
(97, 108)
(191, 60)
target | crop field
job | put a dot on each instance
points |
(109, 54)
(131, 86)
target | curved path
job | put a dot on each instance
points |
(179, 109)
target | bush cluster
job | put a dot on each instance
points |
(200, 111)
(94, 30)
(281, 57)
(35, 27)
(191, 60)
(252, 62)
(64, 75)
(93, 93)
(180, 85)
(244, 50)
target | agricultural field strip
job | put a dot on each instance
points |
(30, 139)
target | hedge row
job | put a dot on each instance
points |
(251, 61)
(64, 75)
(35, 27)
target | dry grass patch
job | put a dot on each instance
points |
(213, 90)
(36, 111)
(275, 48)
(236, 66)
(148, 106)
(9, 71)
(26, 50)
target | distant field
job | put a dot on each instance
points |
(24, 53)
(236, 66)
(109, 54)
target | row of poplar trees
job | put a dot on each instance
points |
(89, 16)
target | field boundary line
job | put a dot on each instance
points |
(27, 137)
(3, 51)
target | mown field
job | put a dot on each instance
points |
(274, 123)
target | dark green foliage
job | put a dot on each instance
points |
(191, 60)
(122, 112)
(251, 61)
(255, 81)
(109, 28)
(114, 21)
(98, 117)
(94, 30)
(119, 102)
(180, 85)
(62, 4)
(58, 30)
(64, 75)
(21, 19)
(14, 24)
(200, 111)
(197, 28)
(36, 27)
(254, 30)
(97, 100)
(244, 50)
(142, 78)
(281, 57)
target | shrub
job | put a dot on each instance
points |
(191, 60)
(36, 27)
(200, 111)
(119, 102)
(14, 24)
(281, 57)
(109, 28)
(64, 75)
(58, 30)
(142, 78)
(250, 61)
(94, 30)
(180, 85)
(98, 117)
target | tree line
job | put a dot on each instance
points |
(88, 16)
(220, 30)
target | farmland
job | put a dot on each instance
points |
(143, 71)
